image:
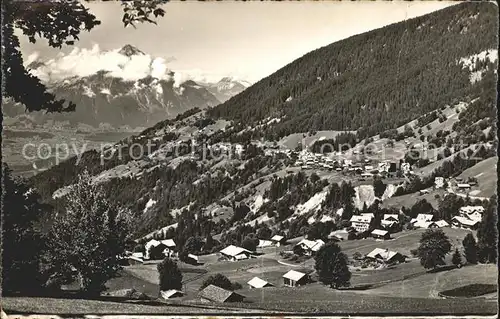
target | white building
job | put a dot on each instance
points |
(235, 253)
(310, 246)
(386, 255)
(256, 282)
(294, 278)
(422, 221)
(464, 222)
(439, 182)
(405, 168)
(472, 212)
(361, 222)
(278, 240)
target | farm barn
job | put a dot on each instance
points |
(256, 282)
(213, 293)
(295, 278)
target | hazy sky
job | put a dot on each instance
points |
(246, 39)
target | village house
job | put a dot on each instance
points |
(380, 234)
(172, 293)
(439, 182)
(472, 212)
(295, 278)
(464, 222)
(361, 223)
(422, 220)
(390, 221)
(310, 246)
(256, 282)
(405, 168)
(463, 187)
(169, 250)
(156, 247)
(213, 293)
(278, 240)
(386, 256)
(235, 253)
(194, 259)
(264, 243)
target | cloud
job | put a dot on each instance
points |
(31, 58)
(85, 62)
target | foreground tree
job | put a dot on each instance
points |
(88, 241)
(331, 266)
(456, 259)
(170, 275)
(487, 235)
(60, 23)
(434, 246)
(470, 249)
(21, 241)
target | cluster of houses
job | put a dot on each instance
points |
(154, 248)
(426, 221)
(469, 217)
(235, 253)
(213, 293)
(308, 160)
(362, 223)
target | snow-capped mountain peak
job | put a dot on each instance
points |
(130, 50)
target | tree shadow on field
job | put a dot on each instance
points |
(442, 268)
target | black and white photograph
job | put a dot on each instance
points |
(249, 158)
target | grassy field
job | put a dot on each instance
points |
(485, 172)
(404, 288)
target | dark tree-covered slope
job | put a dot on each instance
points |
(376, 80)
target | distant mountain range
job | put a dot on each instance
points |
(103, 98)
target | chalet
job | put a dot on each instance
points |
(235, 253)
(380, 234)
(424, 191)
(169, 247)
(422, 220)
(439, 182)
(338, 235)
(388, 224)
(464, 222)
(386, 256)
(463, 186)
(391, 217)
(214, 293)
(310, 246)
(441, 223)
(278, 240)
(360, 223)
(256, 282)
(472, 212)
(295, 278)
(264, 243)
(172, 293)
(405, 168)
(194, 259)
(369, 168)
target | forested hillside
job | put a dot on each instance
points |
(377, 80)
